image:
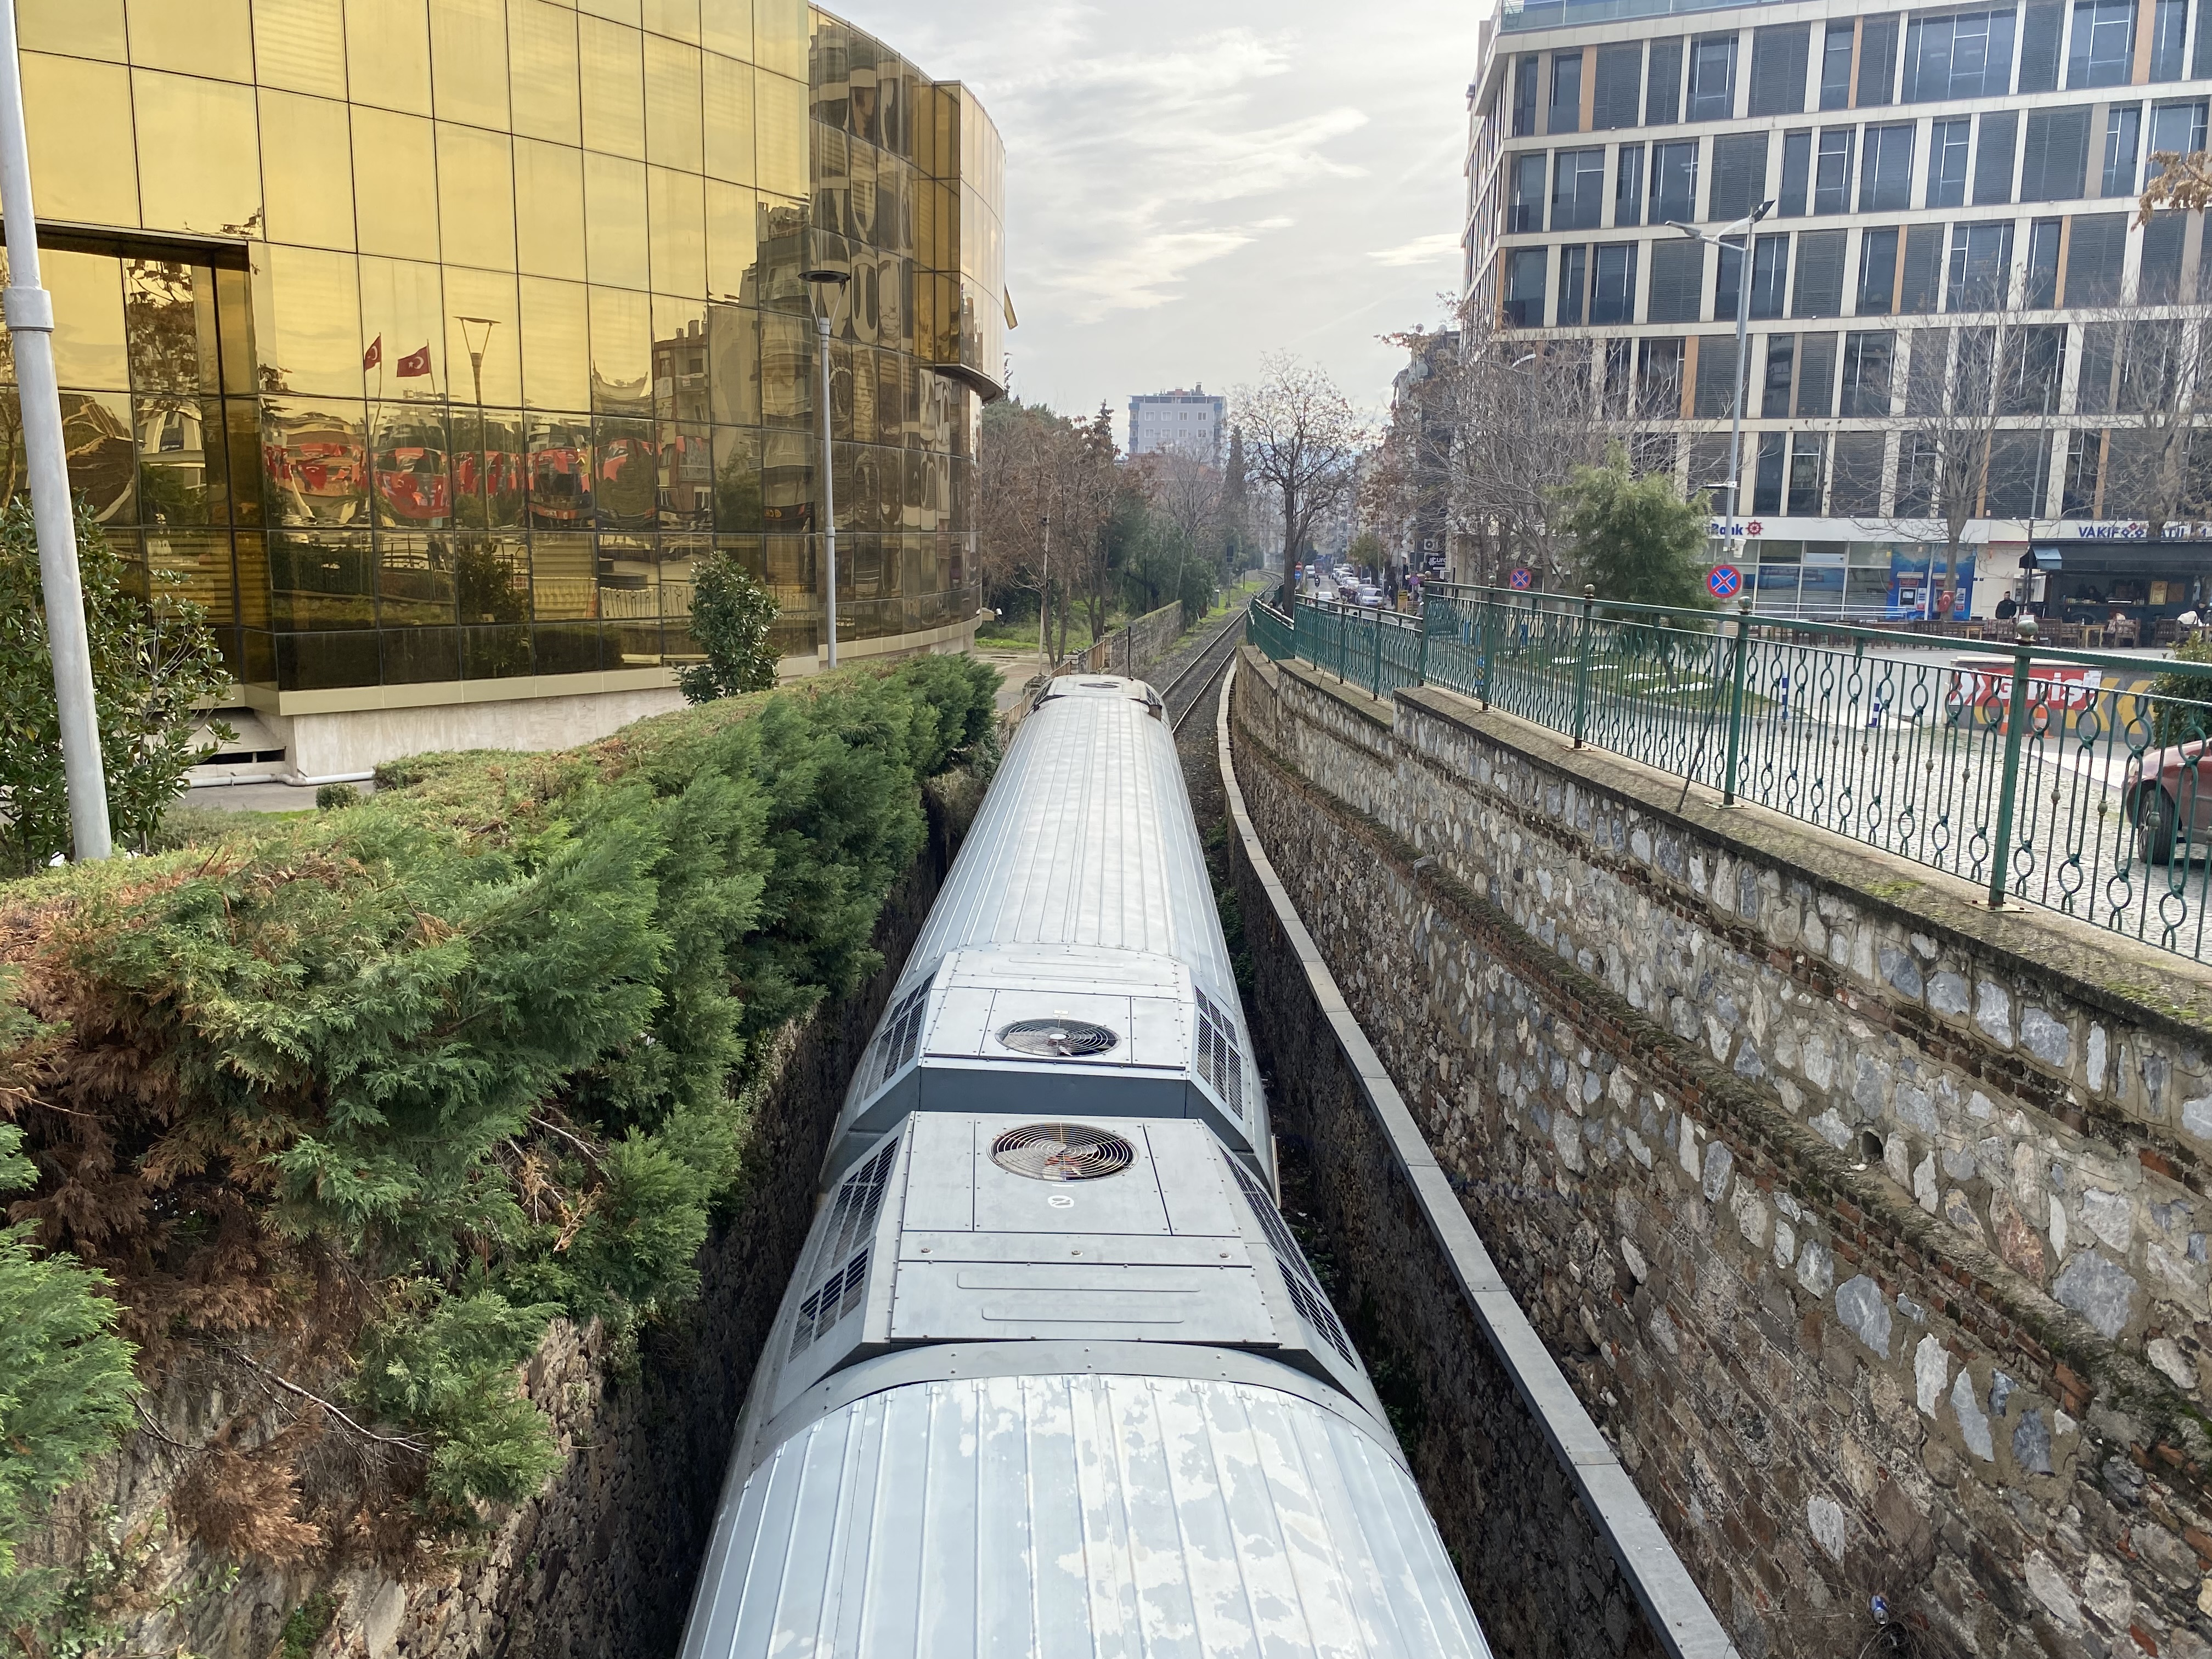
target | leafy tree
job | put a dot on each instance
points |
(155, 661)
(731, 616)
(1633, 539)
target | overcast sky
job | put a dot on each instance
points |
(1193, 183)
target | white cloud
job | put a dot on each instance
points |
(1421, 250)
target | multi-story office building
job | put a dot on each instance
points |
(1189, 421)
(1953, 195)
(433, 340)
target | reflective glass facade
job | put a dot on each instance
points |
(436, 339)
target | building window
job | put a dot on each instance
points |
(1980, 255)
(1777, 69)
(2159, 281)
(1565, 114)
(1878, 61)
(1524, 288)
(1678, 278)
(2019, 462)
(1808, 453)
(1619, 86)
(1886, 170)
(2085, 461)
(1675, 183)
(1836, 64)
(1716, 377)
(1524, 96)
(1662, 86)
(2094, 255)
(2031, 382)
(2043, 264)
(1877, 271)
(1739, 175)
(2104, 44)
(2176, 129)
(1948, 145)
(1766, 481)
(1831, 171)
(2169, 23)
(1818, 290)
(1796, 174)
(2056, 154)
(1780, 377)
(1855, 492)
(1577, 189)
(1770, 266)
(1628, 186)
(2123, 132)
(1867, 356)
(1920, 288)
(1993, 162)
(1574, 270)
(1659, 378)
(1816, 376)
(1525, 212)
(1712, 77)
(1968, 55)
(2040, 29)
(1613, 283)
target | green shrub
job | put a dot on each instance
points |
(336, 797)
(480, 1040)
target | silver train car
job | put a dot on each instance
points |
(1053, 1377)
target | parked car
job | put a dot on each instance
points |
(1371, 596)
(2166, 795)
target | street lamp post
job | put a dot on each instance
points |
(1742, 320)
(29, 310)
(836, 279)
(477, 346)
(1044, 605)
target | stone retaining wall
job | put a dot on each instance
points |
(1869, 1226)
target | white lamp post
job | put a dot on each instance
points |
(837, 280)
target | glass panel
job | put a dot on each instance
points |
(678, 19)
(235, 303)
(731, 247)
(242, 418)
(468, 61)
(736, 479)
(567, 648)
(629, 593)
(788, 481)
(310, 341)
(250, 555)
(679, 359)
(476, 196)
(566, 571)
(614, 89)
(555, 345)
(495, 654)
(181, 475)
(734, 365)
(169, 321)
(614, 208)
(420, 656)
(615, 11)
(780, 36)
(300, 46)
(81, 152)
(541, 42)
(780, 126)
(483, 343)
(103, 454)
(321, 580)
(559, 481)
(728, 94)
(313, 453)
(209, 37)
(88, 338)
(199, 165)
(687, 476)
(672, 136)
(388, 44)
(411, 484)
(727, 26)
(306, 184)
(548, 210)
(788, 371)
(414, 587)
(625, 472)
(396, 185)
(491, 578)
(403, 319)
(83, 29)
(325, 662)
(677, 217)
(621, 351)
(490, 464)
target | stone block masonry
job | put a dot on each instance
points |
(1869, 1226)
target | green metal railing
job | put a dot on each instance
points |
(2077, 780)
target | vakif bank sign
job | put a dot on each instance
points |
(2135, 530)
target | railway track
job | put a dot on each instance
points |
(1191, 684)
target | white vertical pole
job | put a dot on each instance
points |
(828, 496)
(29, 310)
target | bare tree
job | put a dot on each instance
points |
(1303, 440)
(1187, 487)
(2145, 368)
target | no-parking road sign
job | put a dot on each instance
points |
(1724, 581)
(1521, 577)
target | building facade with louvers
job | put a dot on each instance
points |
(1953, 229)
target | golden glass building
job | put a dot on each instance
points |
(433, 341)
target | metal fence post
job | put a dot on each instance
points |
(1735, 701)
(1485, 642)
(1421, 663)
(2015, 729)
(1582, 664)
(1374, 627)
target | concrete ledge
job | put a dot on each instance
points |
(1680, 1622)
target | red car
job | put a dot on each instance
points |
(2167, 797)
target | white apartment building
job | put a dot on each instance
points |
(1941, 178)
(1189, 421)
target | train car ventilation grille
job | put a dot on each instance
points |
(1061, 1152)
(1059, 1039)
(1306, 1293)
(852, 1221)
(1218, 1062)
(901, 1036)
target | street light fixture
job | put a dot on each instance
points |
(1742, 320)
(477, 343)
(824, 277)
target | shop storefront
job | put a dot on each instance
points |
(2092, 578)
(1850, 581)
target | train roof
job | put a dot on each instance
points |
(1085, 838)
